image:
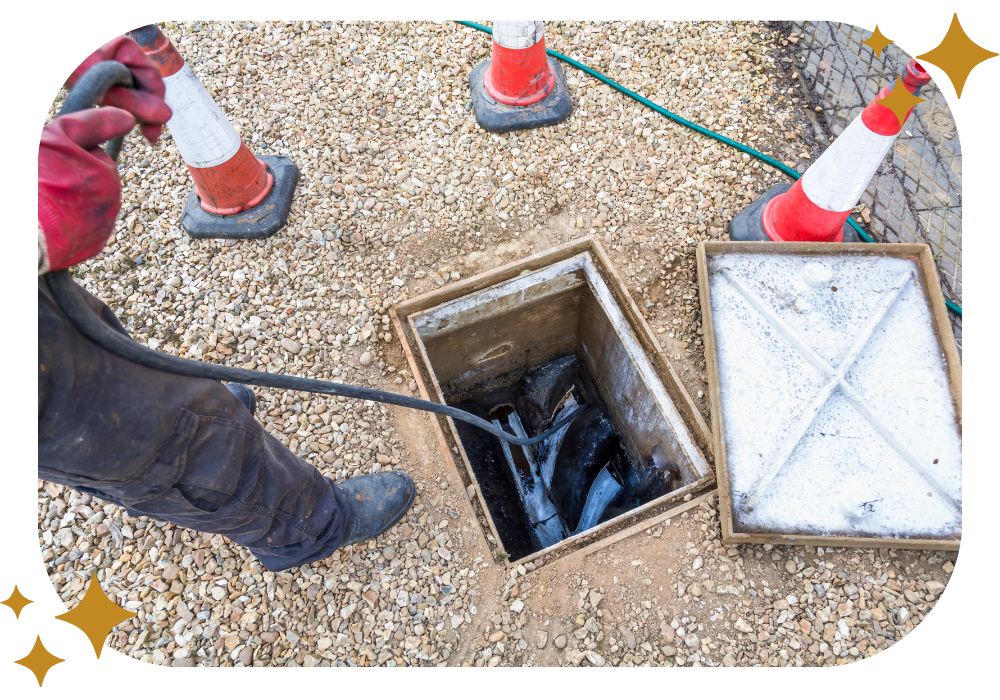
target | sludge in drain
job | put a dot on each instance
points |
(578, 478)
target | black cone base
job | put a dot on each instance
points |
(498, 117)
(263, 220)
(748, 224)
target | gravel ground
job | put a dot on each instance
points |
(676, 596)
(402, 192)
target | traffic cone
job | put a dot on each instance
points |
(520, 87)
(815, 208)
(235, 195)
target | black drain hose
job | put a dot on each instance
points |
(66, 293)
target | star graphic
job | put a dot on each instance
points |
(900, 101)
(877, 41)
(16, 602)
(957, 55)
(39, 661)
(95, 615)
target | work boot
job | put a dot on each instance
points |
(378, 501)
(244, 394)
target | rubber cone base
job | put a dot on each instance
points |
(498, 117)
(748, 224)
(263, 220)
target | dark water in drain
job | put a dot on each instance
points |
(591, 443)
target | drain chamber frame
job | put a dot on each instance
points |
(581, 262)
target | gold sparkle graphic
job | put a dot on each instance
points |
(900, 101)
(877, 41)
(957, 55)
(39, 661)
(16, 602)
(95, 615)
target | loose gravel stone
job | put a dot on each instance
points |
(541, 639)
(935, 588)
(666, 632)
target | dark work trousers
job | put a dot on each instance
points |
(174, 448)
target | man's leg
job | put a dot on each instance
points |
(175, 448)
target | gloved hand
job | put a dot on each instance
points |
(145, 99)
(79, 190)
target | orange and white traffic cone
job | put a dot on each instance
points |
(815, 208)
(235, 195)
(520, 87)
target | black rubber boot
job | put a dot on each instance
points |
(378, 501)
(244, 394)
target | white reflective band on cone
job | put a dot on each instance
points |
(203, 134)
(518, 35)
(837, 180)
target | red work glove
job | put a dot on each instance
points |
(79, 191)
(145, 99)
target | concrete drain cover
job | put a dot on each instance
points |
(838, 392)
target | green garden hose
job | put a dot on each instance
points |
(776, 164)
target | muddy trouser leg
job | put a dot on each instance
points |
(175, 448)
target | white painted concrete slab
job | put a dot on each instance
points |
(835, 399)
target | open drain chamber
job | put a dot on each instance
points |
(524, 346)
